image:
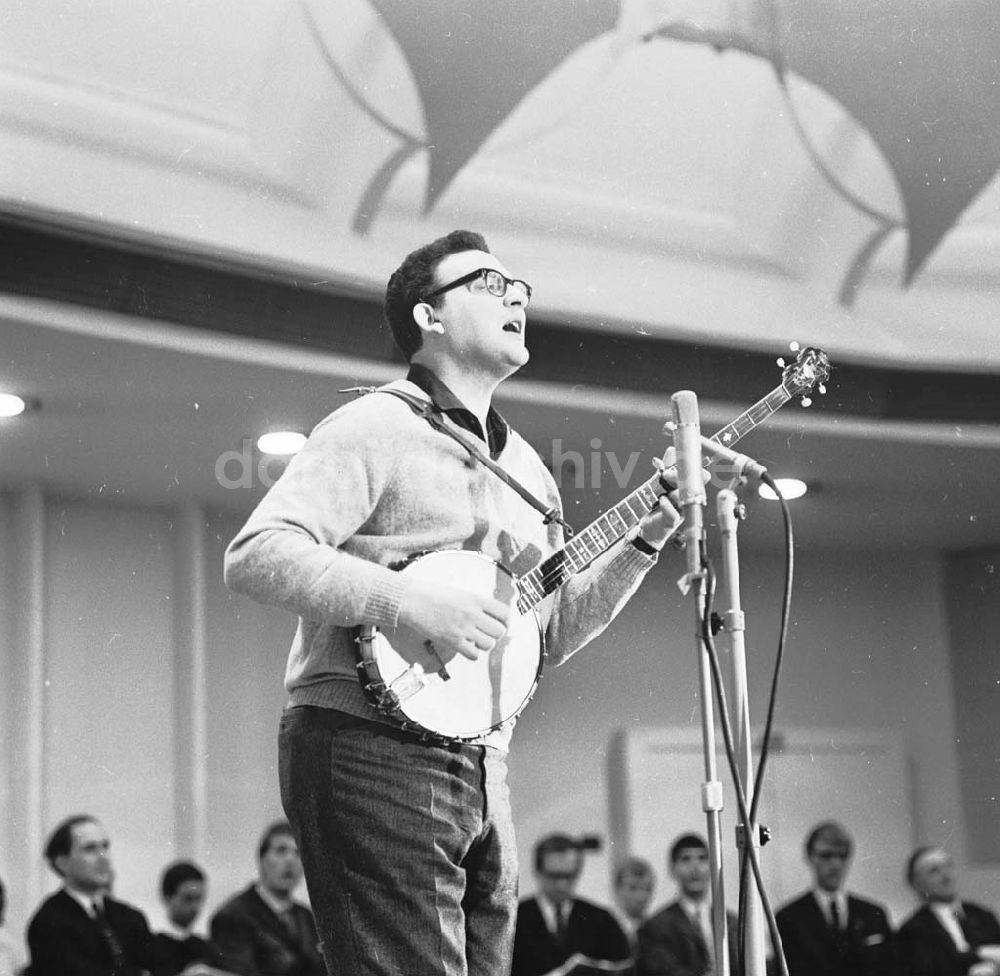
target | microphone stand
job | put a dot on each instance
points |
(729, 512)
(692, 499)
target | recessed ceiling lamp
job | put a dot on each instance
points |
(789, 487)
(282, 442)
(11, 405)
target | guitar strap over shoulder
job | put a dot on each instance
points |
(439, 421)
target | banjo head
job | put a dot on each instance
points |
(451, 695)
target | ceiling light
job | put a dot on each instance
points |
(281, 442)
(11, 405)
(789, 488)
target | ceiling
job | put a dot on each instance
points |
(649, 182)
(664, 188)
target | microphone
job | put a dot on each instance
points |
(687, 443)
(741, 464)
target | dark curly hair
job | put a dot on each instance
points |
(414, 278)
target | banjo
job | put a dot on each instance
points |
(455, 698)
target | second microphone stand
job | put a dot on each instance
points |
(729, 512)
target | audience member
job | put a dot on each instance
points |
(81, 930)
(946, 936)
(557, 932)
(634, 882)
(263, 931)
(678, 940)
(11, 961)
(828, 932)
(180, 950)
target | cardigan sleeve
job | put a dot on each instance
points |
(289, 553)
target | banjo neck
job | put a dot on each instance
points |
(608, 528)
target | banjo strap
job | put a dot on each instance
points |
(439, 421)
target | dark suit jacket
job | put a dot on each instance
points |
(253, 941)
(671, 945)
(866, 946)
(590, 930)
(63, 940)
(172, 955)
(928, 949)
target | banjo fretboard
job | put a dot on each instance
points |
(608, 528)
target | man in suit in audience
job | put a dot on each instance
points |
(828, 932)
(179, 950)
(946, 936)
(557, 932)
(81, 930)
(678, 940)
(634, 882)
(263, 931)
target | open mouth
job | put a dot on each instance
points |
(514, 325)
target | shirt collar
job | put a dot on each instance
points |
(276, 906)
(694, 908)
(823, 899)
(548, 910)
(947, 915)
(628, 924)
(950, 908)
(86, 902)
(446, 401)
(177, 932)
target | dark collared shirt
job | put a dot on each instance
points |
(449, 404)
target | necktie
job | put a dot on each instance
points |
(834, 915)
(562, 923)
(288, 920)
(110, 937)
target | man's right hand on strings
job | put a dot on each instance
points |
(455, 620)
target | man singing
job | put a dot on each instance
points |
(407, 840)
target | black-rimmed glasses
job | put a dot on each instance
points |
(495, 282)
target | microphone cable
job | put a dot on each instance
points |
(765, 746)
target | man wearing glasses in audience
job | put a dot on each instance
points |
(407, 839)
(828, 932)
(557, 933)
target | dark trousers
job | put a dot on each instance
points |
(408, 848)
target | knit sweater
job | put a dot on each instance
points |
(374, 485)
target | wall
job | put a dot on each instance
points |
(138, 688)
(973, 588)
(867, 652)
(150, 698)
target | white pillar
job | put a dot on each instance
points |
(190, 700)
